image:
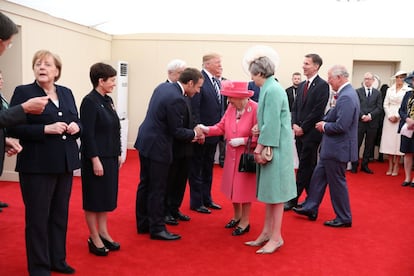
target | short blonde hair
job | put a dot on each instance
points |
(41, 54)
(210, 56)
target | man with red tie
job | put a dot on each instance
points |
(308, 109)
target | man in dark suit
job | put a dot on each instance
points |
(308, 109)
(370, 100)
(163, 123)
(252, 86)
(291, 91)
(17, 114)
(338, 147)
(182, 152)
(207, 109)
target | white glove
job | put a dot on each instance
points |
(235, 142)
(204, 128)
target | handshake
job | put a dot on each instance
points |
(200, 131)
(203, 130)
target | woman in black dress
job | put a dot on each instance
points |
(100, 157)
(406, 112)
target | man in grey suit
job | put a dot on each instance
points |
(370, 100)
(338, 146)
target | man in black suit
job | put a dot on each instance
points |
(207, 109)
(308, 109)
(369, 120)
(182, 152)
(292, 90)
(163, 123)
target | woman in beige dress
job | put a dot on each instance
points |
(390, 141)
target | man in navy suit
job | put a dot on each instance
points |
(370, 100)
(308, 109)
(207, 109)
(163, 123)
(339, 145)
(182, 152)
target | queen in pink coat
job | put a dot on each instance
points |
(236, 126)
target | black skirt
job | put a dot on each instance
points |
(100, 193)
(407, 144)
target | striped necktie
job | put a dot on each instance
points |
(4, 103)
(216, 84)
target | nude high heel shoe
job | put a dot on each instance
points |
(256, 243)
(266, 251)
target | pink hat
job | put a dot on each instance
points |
(235, 89)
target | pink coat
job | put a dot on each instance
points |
(238, 187)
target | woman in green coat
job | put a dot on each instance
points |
(275, 178)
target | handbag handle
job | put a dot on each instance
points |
(248, 149)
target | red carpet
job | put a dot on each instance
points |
(381, 241)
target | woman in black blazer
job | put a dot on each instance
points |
(101, 155)
(45, 165)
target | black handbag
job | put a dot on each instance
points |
(247, 163)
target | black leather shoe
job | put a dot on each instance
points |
(337, 223)
(165, 236)
(300, 204)
(366, 170)
(405, 184)
(213, 205)
(310, 214)
(3, 204)
(112, 246)
(240, 231)
(98, 251)
(170, 220)
(202, 209)
(412, 184)
(181, 216)
(289, 205)
(232, 223)
(66, 270)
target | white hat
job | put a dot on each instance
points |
(399, 73)
(256, 52)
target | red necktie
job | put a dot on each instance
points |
(305, 89)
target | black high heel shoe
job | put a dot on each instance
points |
(102, 251)
(112, 246)
(240, 231)
(232, 223)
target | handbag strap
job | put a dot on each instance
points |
(248, 149)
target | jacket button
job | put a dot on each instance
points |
(64, 137)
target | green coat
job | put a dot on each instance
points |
(276, 179)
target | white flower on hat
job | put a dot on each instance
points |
(259, 51)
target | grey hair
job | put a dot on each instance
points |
(339, 70)
(175, 64)
(262, 66)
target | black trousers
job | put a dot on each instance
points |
(308, 157)
(177, 181)
(151, 195)
(46, 201)
(370, 135)
(201, 174)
